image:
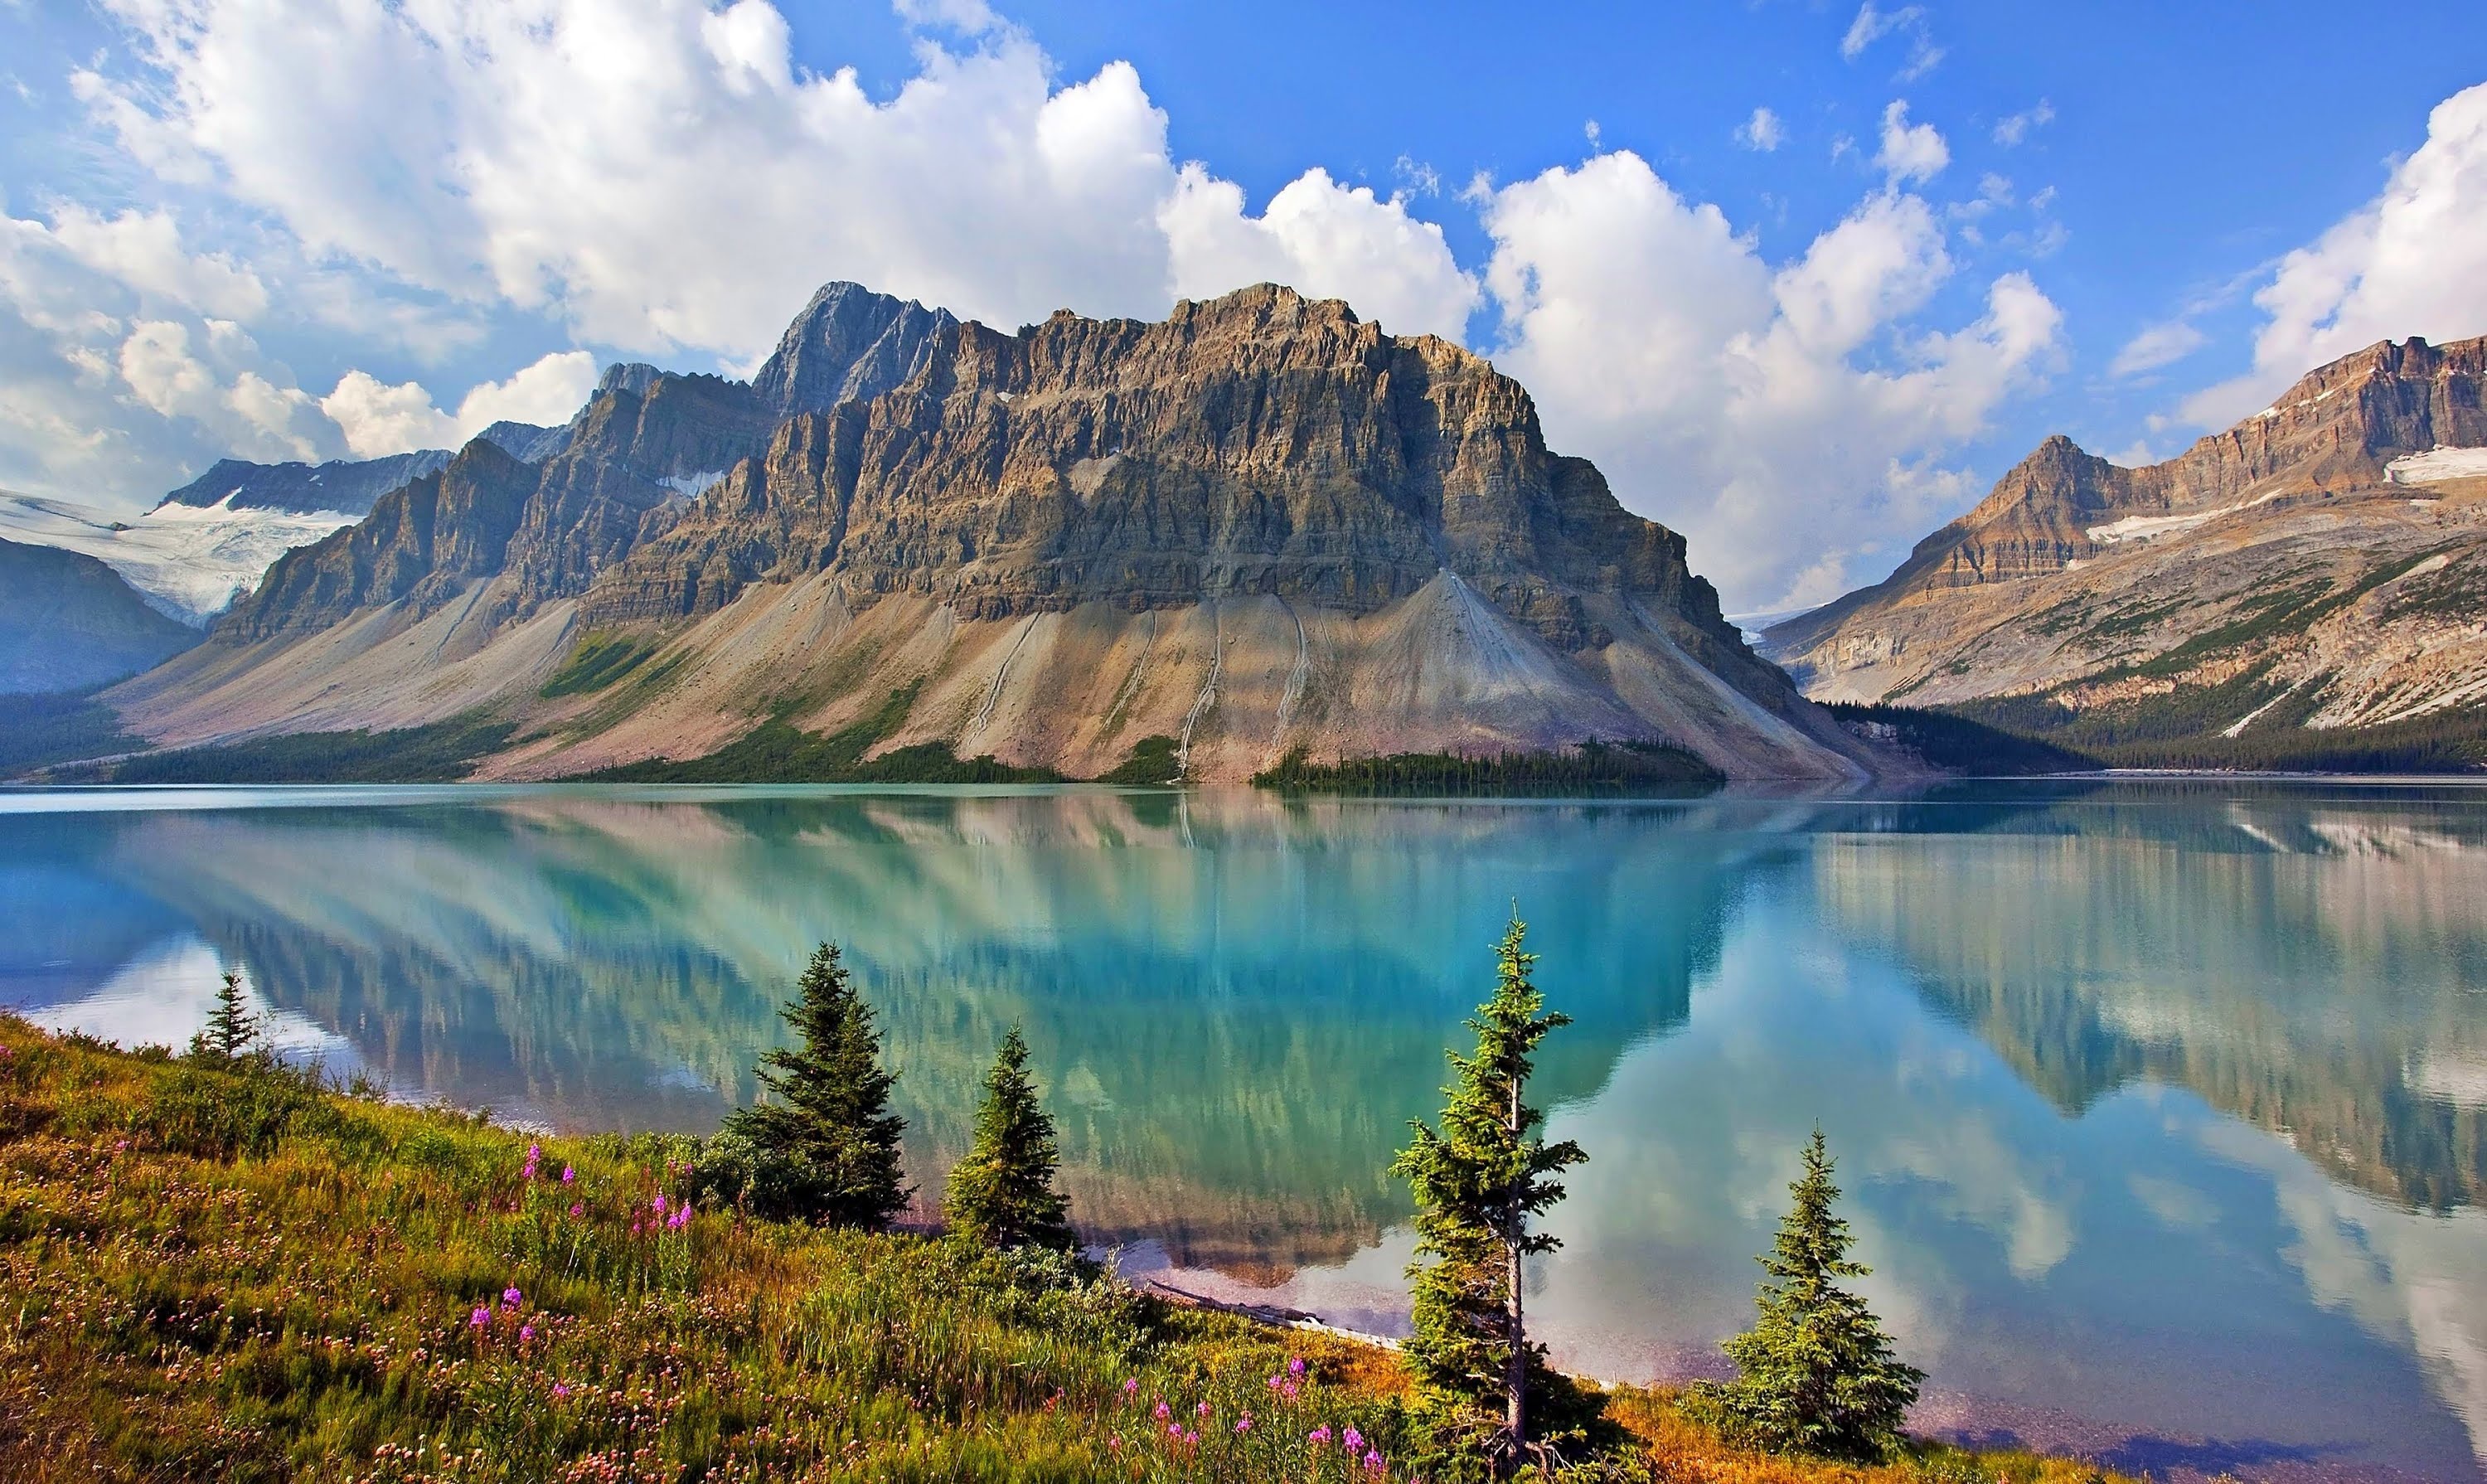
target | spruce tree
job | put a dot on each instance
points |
(829, 1138)
(1817, 1374)
(232, 1029)
(1002, 1193)
(1478, 1182)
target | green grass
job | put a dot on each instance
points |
(59, 727)
(1153, 763)
(777, 752)
(1591, 767)
(243, 1275)
(597, 661)
(442, 752)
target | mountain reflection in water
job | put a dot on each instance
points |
(2160, 1105)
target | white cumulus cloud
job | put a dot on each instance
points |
(379, 418)
(1740, 403)
(661, 175)
(1911, 152)
(2411, 262)
(1324, 239)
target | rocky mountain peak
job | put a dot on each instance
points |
(849, 344)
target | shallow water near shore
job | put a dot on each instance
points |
(2160, 1105)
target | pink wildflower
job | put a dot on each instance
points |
(1352, 1438)
(1202, 1409)
(568, 1174)
(512, 1296)
(1295, 1365)
(526, 1332)
(480, 1318)
(1174, 1430)
(1163, 1412)
(1290, 1390)
(661, 1205)
(576, 1208)
(1318, 1435)
(560, 1390)
(1131, 1387)
(1243, 1424)
(1114, 1444)
(1373, 1463)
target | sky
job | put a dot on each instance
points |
(1803, 278)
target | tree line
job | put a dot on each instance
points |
(1816, 1374)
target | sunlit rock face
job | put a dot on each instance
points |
(1260, 523)
(2320, 566)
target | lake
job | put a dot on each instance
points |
(2160, 1107)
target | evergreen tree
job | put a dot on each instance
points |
(1002, 1193)
(1478, 1183)
(826, 1149)
(1817, 1374)
(232, 1029)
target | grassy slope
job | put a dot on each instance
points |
(214, 1276)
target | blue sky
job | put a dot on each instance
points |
(1804, 337)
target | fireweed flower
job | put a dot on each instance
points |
(568, 1174)
(480, 1318)
(1318, 1435)
(1373, 1463)
(1352, 1438)
(526, 1331)
(576, 1208)
(1243, 1424)
(1131, 1387)
(1202, 1409)
(1295, 1365)
(560, 1390)
(512, 1296)
(1163, 1412)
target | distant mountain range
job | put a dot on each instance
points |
(1257, 527)
(2307, 587)
(208, 542)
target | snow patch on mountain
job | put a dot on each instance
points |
(190, 562)
(2438, 464)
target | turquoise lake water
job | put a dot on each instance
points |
(2162, 1106)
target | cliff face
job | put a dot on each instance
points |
(1263, 445)
(1258, 523)
(2321, 550)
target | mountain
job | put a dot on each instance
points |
(214, 537)
(347, 487)
(68, 622)
(2313, 578)
(186, 561)
(1260, 524)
